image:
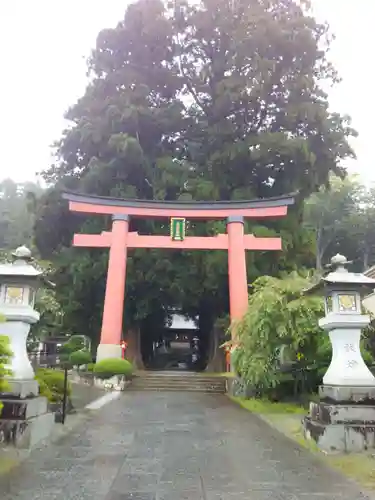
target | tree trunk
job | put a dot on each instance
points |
(319, 252)
(133, 350)
(366, 259)
(216, 363)
(321, 247)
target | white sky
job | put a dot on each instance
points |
(43, 50)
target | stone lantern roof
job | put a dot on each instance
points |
(22, 267)
(341, 276)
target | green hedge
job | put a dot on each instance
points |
(51, 384)
(79, 358)
(108, 368)
(5, 358)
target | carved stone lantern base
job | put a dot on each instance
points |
(23, 388)
(25, 423)
(343, 420)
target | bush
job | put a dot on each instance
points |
(79, 358)
(108, 368)
(282, 351)
(90, 367)
(5, 357)
(51, 383)
(279, 314)
(45, 391)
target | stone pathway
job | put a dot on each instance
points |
(174, 446)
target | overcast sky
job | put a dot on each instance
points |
(44, 45)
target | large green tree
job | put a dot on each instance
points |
(361, 229)
(329, 214)
(211, 100)
(17, 202)
(341, 219)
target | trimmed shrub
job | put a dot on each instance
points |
(79, 358)
(90, 367)
(45, 391)
(5, 358)
(51, 383)
(108, 368)
(74, 344)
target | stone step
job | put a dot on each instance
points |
(176, 384)
(180, 381)
(181, 387)
(168, 388)
(179, 384)
(176, 373)
(172, 381)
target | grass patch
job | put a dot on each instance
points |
(360, 467)
(265, 407)
(286, 418)
(6, 464)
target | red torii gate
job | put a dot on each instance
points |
(119, 240)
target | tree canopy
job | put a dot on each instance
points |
(17, 209)
(341, 219)
(211, 100)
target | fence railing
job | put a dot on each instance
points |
(40, 360)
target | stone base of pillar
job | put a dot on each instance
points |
(341, 394)
(106, 351)
(25, 423)
(344, 419)
(22, 388)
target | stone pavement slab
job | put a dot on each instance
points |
(175, 446)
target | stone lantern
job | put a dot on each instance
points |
(19, 281)
(345, 417)
(23, 408)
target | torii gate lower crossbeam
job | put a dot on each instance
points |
(120, 239)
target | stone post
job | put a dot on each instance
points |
(344, 419)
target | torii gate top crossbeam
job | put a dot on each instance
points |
(268, 207)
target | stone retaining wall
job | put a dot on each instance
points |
(116, 383)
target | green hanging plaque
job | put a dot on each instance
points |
(178, 225)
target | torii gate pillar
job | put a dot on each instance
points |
(237, 273)
(111, 333)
